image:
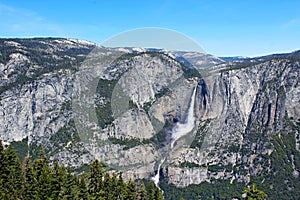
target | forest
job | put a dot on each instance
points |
(38, 180)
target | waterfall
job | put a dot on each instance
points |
(181, 129)
(156, 177)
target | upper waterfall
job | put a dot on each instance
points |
(182, 129)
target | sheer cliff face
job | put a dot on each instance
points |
(240, 107)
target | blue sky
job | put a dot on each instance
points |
(222, 28)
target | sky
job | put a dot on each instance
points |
(220, 27)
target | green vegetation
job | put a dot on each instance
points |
(21, 148)
(37, 180)
(65, 134)
(200, 135)
(162, 92)
(128, 143)
(103, 111)
(252, 193)
(190, 72)
(279, 183)
(189, 164)
(219, 168)
(218, 189)
(36, 52)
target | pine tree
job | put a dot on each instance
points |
(131, 192)
(12, 177)
(59, 179)
(83, 192)
(2, 167)
(70, 190)
(114, 185)
(252, 193)
(151, 191)
(1, 189)
(43, 175)
(142, 192)
(121, 187)
(158, 194)
(2, 155)
(108, 187)
(95, 188)
(30, 183)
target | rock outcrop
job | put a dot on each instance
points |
(240, 107)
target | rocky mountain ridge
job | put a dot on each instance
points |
(247, 111)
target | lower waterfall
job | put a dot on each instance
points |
(180, 130)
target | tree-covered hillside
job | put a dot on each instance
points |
(38, 180)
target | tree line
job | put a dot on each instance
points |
(38, 180)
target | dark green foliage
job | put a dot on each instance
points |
(12, 177)
(43, 176)
(128, 143)
(200, 135)
(162, 92)
(96, 176)
(190, 72)
(21, 148)
(103, 110)
(281, 183)
(64, 135)
(217, 189)
(151, 190)
(39, 55)
(252, 193)
(131, 192)
(39, 181)
(30, 183)
(158, 195)
(2, 157)
(142, 191)
(189, 164)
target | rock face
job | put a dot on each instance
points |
(241, 108)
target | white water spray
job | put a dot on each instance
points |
(180, 130)
(156, 177)
(183, 129)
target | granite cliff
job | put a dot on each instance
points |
(80, 101)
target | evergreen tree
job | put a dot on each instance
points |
(142, 192)
(12, 178)
(95, 188)
(59, 179)
(131, 192)
(1, 189)
(30, 183)
(38, 181)
(121, 188)
(2, 167)
(151, 190)
(114, 185)
(83, 192)
(43, 175)
(70, 189)
(158, 194)
(2, 155)
(108, 187)
(252, 193)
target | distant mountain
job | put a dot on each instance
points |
(81, 101)
(233, 58)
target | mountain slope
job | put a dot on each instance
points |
(246, 110)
